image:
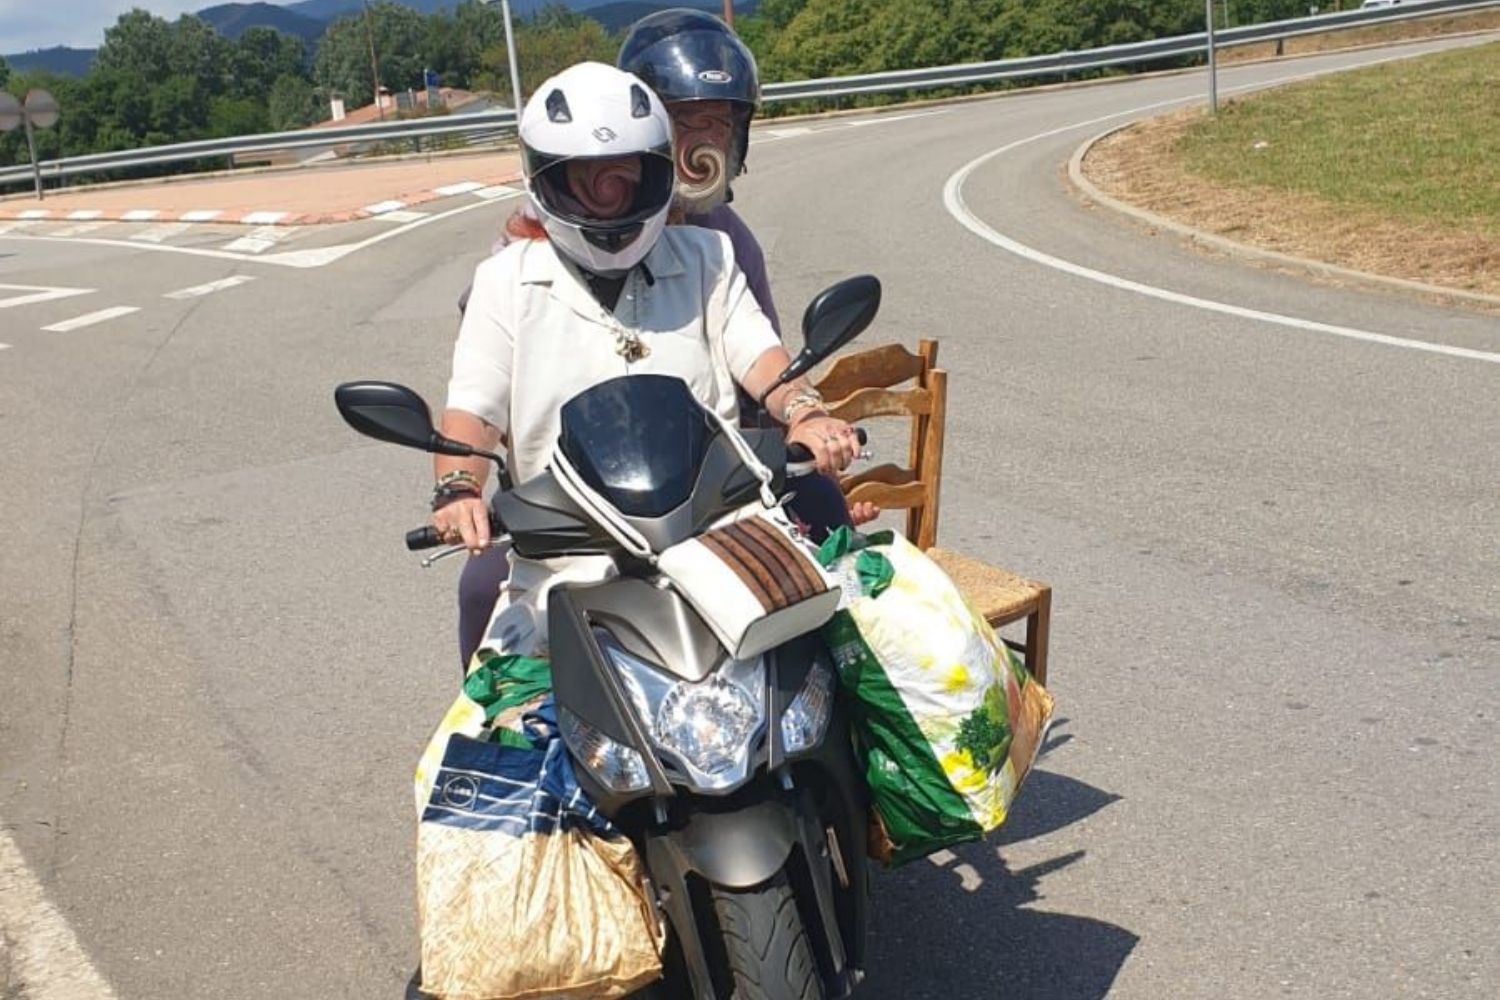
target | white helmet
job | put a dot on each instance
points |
(592, 112)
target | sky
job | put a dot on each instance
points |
(29, 24)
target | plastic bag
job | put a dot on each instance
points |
(947, 720)
(524, 890)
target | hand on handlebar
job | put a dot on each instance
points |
(465, 522)
(833, 443)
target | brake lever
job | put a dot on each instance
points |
(454, 550)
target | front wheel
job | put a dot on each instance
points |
(766, 943)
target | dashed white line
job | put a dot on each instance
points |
(156, 234)
(258, 240)
(401, 215)
(45, 959)
(80, 229)
(200, 215)
(494, 191)
(89, 319)
(462, 187)
(264, 218)
(140, 215)
(32, 294)
(213, 286)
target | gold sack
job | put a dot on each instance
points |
(532, 917)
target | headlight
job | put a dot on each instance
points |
(805, 719)
(709, 724)
(618, 766)
(707, 727)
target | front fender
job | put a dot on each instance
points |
(737, 850)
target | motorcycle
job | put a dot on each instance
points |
(735, 779)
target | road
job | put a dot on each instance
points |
(1273, 546)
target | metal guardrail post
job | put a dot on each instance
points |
(1213, 61)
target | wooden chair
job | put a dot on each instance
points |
(872, 384)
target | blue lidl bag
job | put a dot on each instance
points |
(524, 890)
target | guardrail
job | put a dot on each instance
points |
(491, 124)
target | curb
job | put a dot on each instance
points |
(1243, 251)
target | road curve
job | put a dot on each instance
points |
(1276, 634)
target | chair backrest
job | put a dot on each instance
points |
(870, 384)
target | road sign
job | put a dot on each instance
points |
(10, 112)
(41, 108)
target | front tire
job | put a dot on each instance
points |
(766, 944)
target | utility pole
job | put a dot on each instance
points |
(374, 63)
(729, 12)
(510, 48)
(1213, 62)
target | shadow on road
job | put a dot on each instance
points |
(962, 929)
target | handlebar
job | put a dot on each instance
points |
(799, 460)
(427, 537)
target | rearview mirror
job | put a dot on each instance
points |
(835, 317)
(393, 413)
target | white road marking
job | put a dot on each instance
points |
(954, 202)
(140, 215)
(89, 319)
(201, 215)
(788, 132)
(381, 207)
(32, 214)
(259, 240)
(309, 258)
(84, 215)
(494, 191)
(400, 215)
(4, 347)
(462, 187)
(45, 959)
(888, 119)
(209, 288)
(156, 234)
(80, 229)
(38, 293)
(264, 218)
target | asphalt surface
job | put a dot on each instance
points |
(1274, 551)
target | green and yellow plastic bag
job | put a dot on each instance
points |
(947, 720)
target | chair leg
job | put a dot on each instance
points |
(1037, 625)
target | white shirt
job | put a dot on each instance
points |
(533, 336)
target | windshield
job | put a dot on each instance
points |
(638, 440)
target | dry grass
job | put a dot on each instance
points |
(1393, 170)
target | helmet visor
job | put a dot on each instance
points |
(608, 199)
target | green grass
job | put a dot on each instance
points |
(1417, 140)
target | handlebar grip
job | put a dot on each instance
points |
(425, 537)
(798, 453)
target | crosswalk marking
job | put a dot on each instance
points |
(156, 234)
(259, 240)
(31, 294)
(89, 319)
(210, 287)
(493, 191)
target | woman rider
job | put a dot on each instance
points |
(611, 291)
(708, 80)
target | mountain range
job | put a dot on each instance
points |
(307, 19)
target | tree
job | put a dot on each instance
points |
(343, 62)
(138, 43)
(293, 104)
(229, 116)
(262, 56)
(4, 72)
(554, 39)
